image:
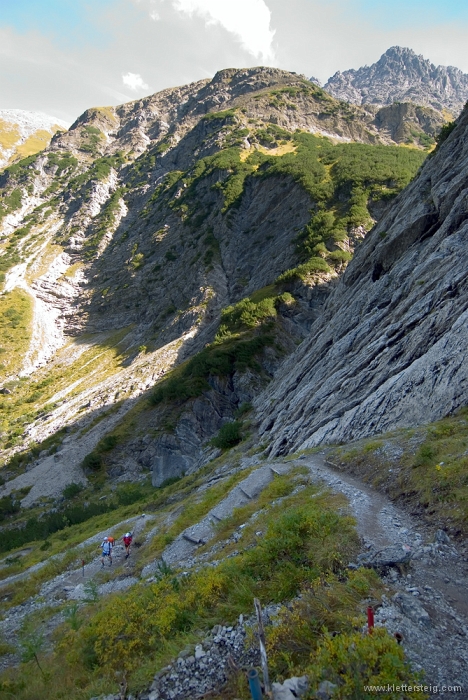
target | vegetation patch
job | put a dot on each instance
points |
(229, 435)
(16, 312)
(191, 379)
(426, 468)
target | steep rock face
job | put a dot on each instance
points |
(405, 122)
(390, 347)
(402, 76)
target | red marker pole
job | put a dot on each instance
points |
(370, 619)
(83, 565)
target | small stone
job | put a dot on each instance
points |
(326, 690)
(199, 653)
(441, 537)
(412, 609)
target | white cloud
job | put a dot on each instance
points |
(155, 15)
(134, 81)
(248, 20)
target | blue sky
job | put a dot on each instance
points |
(63, 56)
(413, 12)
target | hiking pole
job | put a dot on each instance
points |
(263, 654)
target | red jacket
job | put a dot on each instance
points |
(127, 541)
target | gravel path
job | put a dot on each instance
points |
(427, 604)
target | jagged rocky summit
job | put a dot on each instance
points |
(389, 349)
(400, 75)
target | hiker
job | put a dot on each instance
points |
(127, 540)
(106, 547)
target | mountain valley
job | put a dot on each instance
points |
(217, 302)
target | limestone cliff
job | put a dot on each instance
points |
(389, 349)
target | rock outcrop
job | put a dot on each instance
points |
(390, 347)
(402, 76)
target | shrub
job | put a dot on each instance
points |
(107, 443)
(425, 455)
(8, 506)
(311, 267)
(229, 435)
(92, 461)
(72, 490)
(354, 661)
(129, 493)
(445, 132)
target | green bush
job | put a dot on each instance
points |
(127, 494)
(107, 443)
(92, 461)
(313, 266)
(445, 132)
(218, 359)
(354, 661)
(9, 506)
(229, 435)
(72, 490)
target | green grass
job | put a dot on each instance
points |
(16, 312)
(425, 468)
(32, 397)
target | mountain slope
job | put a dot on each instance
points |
(389, 349)
(207, 214)
(402, 76)
(24, 133)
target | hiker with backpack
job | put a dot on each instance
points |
(106, 547)
(127, 540)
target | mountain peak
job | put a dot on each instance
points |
(401, 75)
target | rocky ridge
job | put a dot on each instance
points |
(400, 75)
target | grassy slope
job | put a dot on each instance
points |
(16, 310)
(425, 468)
(305, 546)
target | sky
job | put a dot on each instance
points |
(64, 56)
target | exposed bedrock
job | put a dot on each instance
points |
(390, 348)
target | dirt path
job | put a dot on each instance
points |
(428, 603)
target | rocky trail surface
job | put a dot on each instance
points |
(425, 575)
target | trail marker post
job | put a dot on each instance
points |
(263, 654)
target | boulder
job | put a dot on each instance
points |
(388, 556)
(412, 608)
(291, 689)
